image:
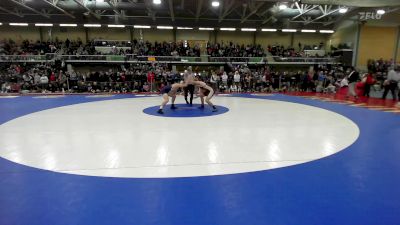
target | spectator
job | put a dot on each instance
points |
(44, 81)
(236, 78)
(214, 80)
(36, 79)
(392, 82)
(224, 79)
(233, 88)
(146, 87)
(6, 87)
(352, 78)
(369, 81)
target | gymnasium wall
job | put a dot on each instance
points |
(398, 48)
(110, 34)
(375, 43)
(345, 34)
(62, 33)
(309, 39)
(273, 38)
(237, 37)
(197, 35)
(18, 34)
(153, 35)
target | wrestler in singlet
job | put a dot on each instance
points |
(166, 92)
(205, 90)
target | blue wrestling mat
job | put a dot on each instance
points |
(136, 175)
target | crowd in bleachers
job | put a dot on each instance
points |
(147, 77)
(44, 78)
(27, 48)
(141, 48)
(9, 47)
(165, 49)
(151, 78)
(234, 50)
(284, 52)
(145, 48)
(281, 51)
(380, 65)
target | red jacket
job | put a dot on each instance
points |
(52, 77)
(150, 77)
(370, 79)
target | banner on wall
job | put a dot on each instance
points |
(369, 16)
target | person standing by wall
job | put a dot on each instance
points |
(151, 79)
(398, 84)
(352, 78)
(214, 80)
(44, 81)
(369, 81)
(224, 79)
(391, 82)
(236, 78)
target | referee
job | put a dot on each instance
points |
(189, 89)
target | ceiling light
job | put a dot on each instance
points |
(269, 30)
(308, 31)
(68, 25)
(227, 29)
(91, 25)
(282, 7)
(165, 27)
(206, 28)
(248, 29)
(142, 26)
(116, 25)
(18, 24)
(43, 24)
(289, 30)
(380, 11)
(1, 24)
(156, 2)
(215, 3)
(343, 10)
(327, 31)
(184, 28)
(99, 1)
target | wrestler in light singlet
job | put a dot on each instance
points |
(205, 91)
